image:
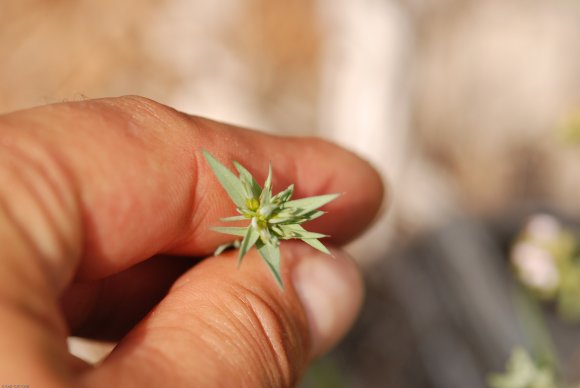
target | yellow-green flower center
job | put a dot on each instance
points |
(252, 204)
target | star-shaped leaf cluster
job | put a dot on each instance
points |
(272, 218)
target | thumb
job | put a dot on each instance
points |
(220, 326)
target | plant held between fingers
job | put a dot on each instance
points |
(272, 218)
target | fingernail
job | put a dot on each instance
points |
(330, 289)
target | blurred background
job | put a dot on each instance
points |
(469, 109)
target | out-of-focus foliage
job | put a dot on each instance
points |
(546, 260)
(525, 372)
(571, 127)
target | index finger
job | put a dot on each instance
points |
(137, 185)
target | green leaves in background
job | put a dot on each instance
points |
(525, 372)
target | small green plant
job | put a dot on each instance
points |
(523, 371)
(272, 218)
(545, 258)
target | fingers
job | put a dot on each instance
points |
(218, 324)
(123, 179)
(98, 186)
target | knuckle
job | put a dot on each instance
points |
(146, 122)
(140, 102)
(279, 338)
(143, 109)
(267, 338)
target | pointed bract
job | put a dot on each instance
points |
(254, 189)
(315, 243)
(228, 180)
(297, 231)
(283, 196)
(267, 190)
(234, 218)
(272, 218)
(271, 255)
(233, 230)
(249, 240)
(311, 203)
(219, 250)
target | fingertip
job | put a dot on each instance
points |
(330, 289)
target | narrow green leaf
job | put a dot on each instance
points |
(254, 188)
(228, 180)
(219, 250)
(296, 218)
(313, 215)
(276, 230)
(297, 231)
(267, 237)
(271, 255)
(304, 234)
(283, 196)
(234, 218)
(314, 243)
(311, 203)
(308, 216)
(268, 182)
(248, 242)
(266, 194)
(284, 213)
(233, 230)
(281, 221)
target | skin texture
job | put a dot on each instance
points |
(105, 210)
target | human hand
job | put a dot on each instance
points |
(100, 202)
